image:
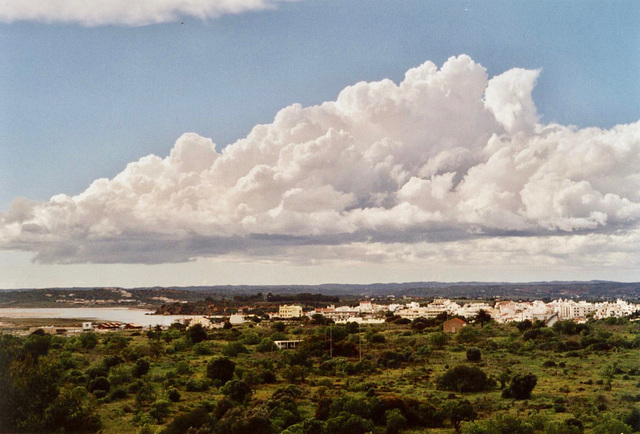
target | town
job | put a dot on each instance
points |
(369, 312)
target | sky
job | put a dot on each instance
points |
(208, 142)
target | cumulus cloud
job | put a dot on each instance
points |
(123, 12)
(448, 163)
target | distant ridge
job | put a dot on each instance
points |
(472, 289)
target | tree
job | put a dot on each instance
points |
(464, 379)
(72, 411)
(278, 326)
(236, 390)
(474, 355)
(221, 369)
(482, 317)
(395, 420)
(141, 367)
(197, 333)
(88, 340)
(232, 349)
(458, 411)
(612, 426)
(521, 386)
(437, 340)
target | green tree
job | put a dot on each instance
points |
(611, 425)
(237, 390)
(197, 333)
(458, 411)
(395, 420)
(221, 369)
(482, 317)
(474, 355)
(521, 386)
(88, 340)
(464, 379)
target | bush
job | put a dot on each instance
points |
(141, 367)
(474, 355)
(202, 349)
(612, 426)
(266, 345)
(521, 386)
(458, 411)
(251, 339)
(195, 419)
(88, 340)
(183, 368)
(232, 349)
(395, 420)
(221, 369)
(437, 340)
(100, 383)
(118, 393)
(173, 395)
(377, 338)
(197, 333)
(197, 385)
(160, 410)
(347, 423)
(236, 390)
(464, 379)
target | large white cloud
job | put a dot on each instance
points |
(448, 163)
(123, 12)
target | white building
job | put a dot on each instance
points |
(289, 311)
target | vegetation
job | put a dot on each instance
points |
(387, 378)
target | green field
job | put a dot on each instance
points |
(382, 378)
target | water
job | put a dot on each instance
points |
(119, 314)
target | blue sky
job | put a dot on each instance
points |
(79, 103)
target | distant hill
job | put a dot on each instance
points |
(156, 296)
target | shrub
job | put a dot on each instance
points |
(197, 333)
(468, 334)
(458, 411)
(195, 419)
(141, 367)
(520, 387)
(278, 326)
(111, 361)
(251, 339)
(118, 393)
(197, 385)
(183, 368)
(612, 426)
(202, 349)
(464, 379)
(474, 355)
(221, 369)
(88, 340)
(173, 395)
(347, 423)
(232, 349)
(377, 338)
(146, 393)
(236, 390)
(395, 420)
(160, 409)
(437, 340)
(266, 345)
(100, 383)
